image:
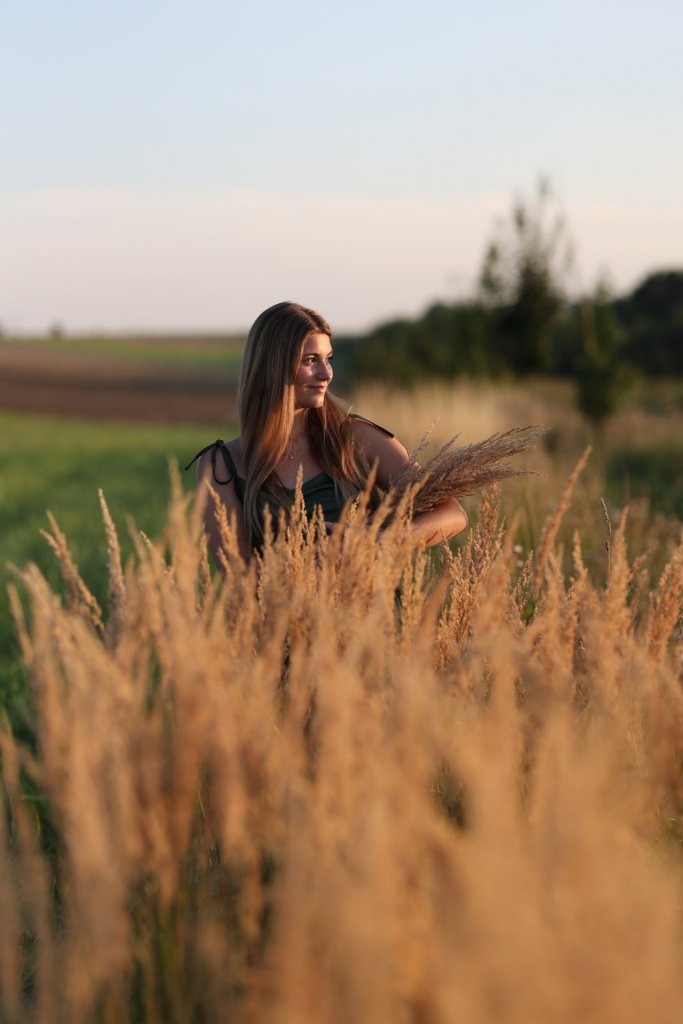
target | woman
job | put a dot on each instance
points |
(290, 423)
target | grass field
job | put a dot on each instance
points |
(220, 351)
(300, 802)
(294, 801)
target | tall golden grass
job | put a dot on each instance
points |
(297, 797)
(472, 409)
(475, 409)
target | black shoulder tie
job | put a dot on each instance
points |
(213, 448)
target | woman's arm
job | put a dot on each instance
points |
(441, 523)
(428, 528)
(228, 498)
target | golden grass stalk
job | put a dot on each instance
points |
(552, 524)
(80, 596)
(117, 586)
(666, 605)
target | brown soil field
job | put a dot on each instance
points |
(87, 387)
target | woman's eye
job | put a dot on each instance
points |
(312, 360)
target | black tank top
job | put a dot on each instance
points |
(320, 490)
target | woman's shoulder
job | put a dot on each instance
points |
(234, 447)
(378, 443)
(221, 461)
(364, 428)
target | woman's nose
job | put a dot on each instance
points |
(325, 371)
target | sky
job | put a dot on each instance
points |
(176, 165)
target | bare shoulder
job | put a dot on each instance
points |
(378, 445)
(373, 439)
(235, 449)
(215, 466)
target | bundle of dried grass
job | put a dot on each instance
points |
(457, 472)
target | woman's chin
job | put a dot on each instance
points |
(316, 398)
(311, 400)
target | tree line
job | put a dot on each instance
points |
(522, 321)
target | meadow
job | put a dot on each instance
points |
(163, 350)
(290, 798)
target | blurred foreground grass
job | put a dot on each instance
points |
(289, 801)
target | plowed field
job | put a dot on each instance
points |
(60, 382)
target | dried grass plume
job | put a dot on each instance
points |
(455, 472)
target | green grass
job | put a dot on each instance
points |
(653, 473)
(60, 465)
(224, 352)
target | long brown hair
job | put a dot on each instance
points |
(265, 401)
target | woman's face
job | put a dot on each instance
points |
(314, 373)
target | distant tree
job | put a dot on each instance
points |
(444, 342)
(652, 318)
(601, 376)
(659, 294)
(522, 280)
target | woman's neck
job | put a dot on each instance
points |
(297, 451)
(299, 425)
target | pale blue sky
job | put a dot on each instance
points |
(186, 164)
